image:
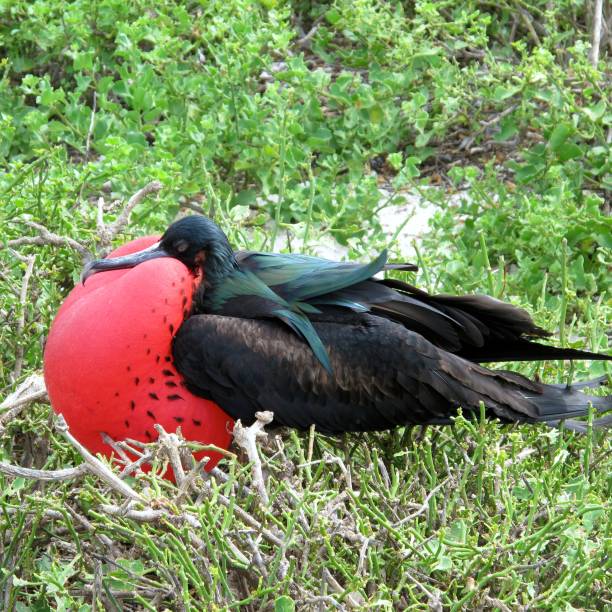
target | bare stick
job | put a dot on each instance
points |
(110, 231)
(424, 506)
(351, 600)
(47, 475)
(32, 389)
(170, 443)
(194, 206)
(100, 215)
(305, 40)
(152, 515)
(92, 123)
(246, 438)
(136, 465)
(527, 21)
(596, 34)
(120, 452)
(23, 296)
(196, 471)
(95, 465)
(249, 520)
(47, 238)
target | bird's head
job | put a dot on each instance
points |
(196, 241)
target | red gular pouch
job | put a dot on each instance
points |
(108, 358)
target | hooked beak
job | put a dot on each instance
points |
(126, 261)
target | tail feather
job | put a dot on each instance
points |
(583, 426)
(593, 383)
(559, 402)
(524, 350)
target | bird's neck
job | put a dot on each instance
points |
(217, 267)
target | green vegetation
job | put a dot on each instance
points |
(298, 112)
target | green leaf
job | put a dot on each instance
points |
(559, 135)
(411, 167)
(569, 150)
(427, 57)
(591, 518)
(458, 532)
(333, 16)
(422, 139)
(508, 130)
(376, 114)
(444, 564)
(84, 60)
(596, 112)
(239, 213)
(245, 197)
(503, 93)
(395, 160)
(521, 493)
(284, 603)
(528, 172)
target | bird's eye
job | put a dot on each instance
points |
(181, 246)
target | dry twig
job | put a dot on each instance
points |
(92, 123)
(246, 438)
(16, 471)
(304, 41)
(107, 233)
(47, 238)
(169, 444)
(32, 389)
(23, 296)
(95, 465)
(596, 33)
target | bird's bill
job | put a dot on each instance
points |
(126, 261)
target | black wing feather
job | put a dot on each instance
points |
(383, 375)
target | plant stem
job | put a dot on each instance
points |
(563, 313)
(281, 187)
(311, 195)
(485, 255)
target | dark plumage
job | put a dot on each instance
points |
(324, 343)
(383, 375)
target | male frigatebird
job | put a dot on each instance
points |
(325, 343)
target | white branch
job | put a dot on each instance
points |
(48, 475)
(596, 34)
(32, 389)
(246, 438)
(95, 465)
(23, 296)
(108, 233)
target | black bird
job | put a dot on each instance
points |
(324, 343)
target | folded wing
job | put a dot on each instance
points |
(382, 375)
